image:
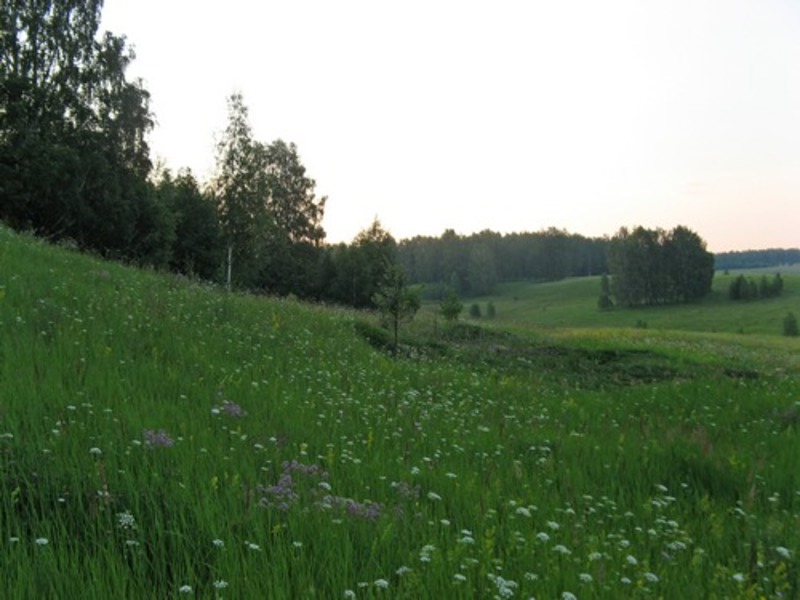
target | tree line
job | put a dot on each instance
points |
(75, 166)
(757, 259)
(472, 265)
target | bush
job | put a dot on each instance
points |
(475, 311)
(790, 327)
(490, 310)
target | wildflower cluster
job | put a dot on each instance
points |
(157, 439)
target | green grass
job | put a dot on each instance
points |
(157, 433)
(572, 303)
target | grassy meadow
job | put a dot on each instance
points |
(160, 438)
(573, 303)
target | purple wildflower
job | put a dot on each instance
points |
(232, 409)
(157, 439)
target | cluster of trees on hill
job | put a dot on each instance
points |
(472, 265)
(75, 165)
(743, 288)
(73, 157)
(757, 259)
(653, 266)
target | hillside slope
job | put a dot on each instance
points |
(161, 438)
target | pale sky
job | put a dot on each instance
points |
(504, 115)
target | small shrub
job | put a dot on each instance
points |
(475, 311)
(491, 312)
(790, 327)
(451, 307)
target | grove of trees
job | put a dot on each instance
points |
(75, 166)
(653, 266)
(472, 265)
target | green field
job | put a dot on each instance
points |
(573, 303)
(160, 438)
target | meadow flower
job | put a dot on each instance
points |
(434, 496)
(651, 577)
(625, 580)
(125, 520)
(562, 549)
(218, 543)
(252, 546)
(403, 570)
(459, 578)
(185, 589)
(542, 537)
(231, 409)
(553, 525)
(568, 596)
(13, 540)
(381, 584)
(42, 541)
(157, 439)
(784, 552)
(466, 540)
(349, 594)
(631, 560)
(220, 584)
(95, 451)
(585, 577)
(738, 577)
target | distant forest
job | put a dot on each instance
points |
(757, 259)
(473, 264)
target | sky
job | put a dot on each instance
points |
(504, 115)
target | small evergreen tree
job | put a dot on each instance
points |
(450, 307)
(790, 327)
(475, 310)
(490, 310)
(604, 302)
(395, 301)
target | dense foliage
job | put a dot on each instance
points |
(743, 288)
(73, 156)
(658, 267)
(474, 264)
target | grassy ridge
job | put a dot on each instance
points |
(161, 438)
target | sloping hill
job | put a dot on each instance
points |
(160, 438)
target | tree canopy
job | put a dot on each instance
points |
(652, 266)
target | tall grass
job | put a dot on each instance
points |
(160, 438)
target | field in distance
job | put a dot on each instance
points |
(572, 303)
